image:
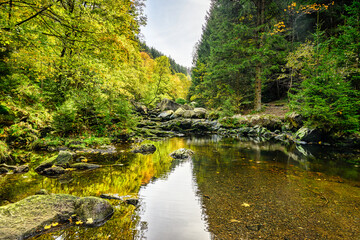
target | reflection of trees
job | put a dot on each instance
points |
(123, 180)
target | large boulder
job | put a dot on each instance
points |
(295, 120)
(167, 104)
(144, 149)
(308, 134)
(39, 213)
(179, 112)
(200, 112)
(140, 108)
(270, 122)
(56, 165)
(166, 115)
(189, 114)
(182, 153)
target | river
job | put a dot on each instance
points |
(230, 189)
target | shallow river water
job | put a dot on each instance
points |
(230, 189)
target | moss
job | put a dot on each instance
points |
(31, 215)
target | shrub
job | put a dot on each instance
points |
(4, 151)
(21, 134)
(180, 101)
(64, 120)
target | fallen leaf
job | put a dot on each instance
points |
(89, 221)
(79, 222)
(55, 224)
(47, 226)
(245, 205)
(234, 221)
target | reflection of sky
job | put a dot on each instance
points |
(171, 207)
(173, 27)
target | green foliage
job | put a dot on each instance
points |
(230, 122)
(326, 99)
(181, 101)
(4, 151)
(65, 118)
(227, 109)
(21, 134)
(44, 143)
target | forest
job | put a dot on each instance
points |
(74, 68)
(307, 52)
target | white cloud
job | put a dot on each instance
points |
(174, 27)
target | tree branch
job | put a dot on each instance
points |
(36, 14)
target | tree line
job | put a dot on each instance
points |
(254, 51)
(75, 66)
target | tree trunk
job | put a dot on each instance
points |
(258, 86)
(257, 100)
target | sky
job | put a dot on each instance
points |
(174, 26)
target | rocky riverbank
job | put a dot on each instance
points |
(172, 119)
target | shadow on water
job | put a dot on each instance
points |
(230, 189)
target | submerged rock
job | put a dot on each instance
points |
(131, 201)
(84, 166)
(182, 153)
(29, 216)
(54, 171)
(144, 149)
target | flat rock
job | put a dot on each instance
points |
(84, 166)
(29, 216)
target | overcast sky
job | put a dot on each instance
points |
(174, 26)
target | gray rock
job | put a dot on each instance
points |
(189, 114)
(84, 166)
(295, 120)
(144, 149)
(24, 219)
(93, 211)
(200, 112)
(182, 153)
(22, 169)
(179, 112)
(64, 158)
(166, 115)
(308, 135)
(53, 171)
(167, 104)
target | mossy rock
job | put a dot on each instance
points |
(84, 166)
(29, 216)
(144, 149)
(182, 153)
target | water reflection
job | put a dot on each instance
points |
(170, 208)
(246, 190)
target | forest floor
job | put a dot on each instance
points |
(277, 108)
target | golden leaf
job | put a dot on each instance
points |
(79, 222)
(245, 205)
(47, 226)
(89, 221)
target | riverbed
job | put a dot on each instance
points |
(229, 189)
